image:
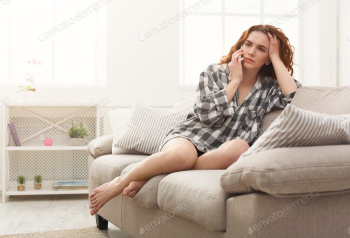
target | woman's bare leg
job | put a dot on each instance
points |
(222, 157)
(176, 155)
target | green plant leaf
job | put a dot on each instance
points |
(80, 131)
(21, 179)
(38, 178)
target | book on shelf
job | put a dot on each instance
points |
(70, 185)
(14, 134)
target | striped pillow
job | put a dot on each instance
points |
(148, 127)
(119, 119)
(296, 127)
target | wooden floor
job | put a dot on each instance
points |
(24, 214)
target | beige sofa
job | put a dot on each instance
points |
(284, 192)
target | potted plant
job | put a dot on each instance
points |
(37, 181)
(21, 183)
(77, 134)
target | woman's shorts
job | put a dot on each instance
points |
(199, 153)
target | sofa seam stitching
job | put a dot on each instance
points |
(191, 190)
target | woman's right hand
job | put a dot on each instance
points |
(235, 66)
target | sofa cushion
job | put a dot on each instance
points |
(291, 171)
(147, 196)
(105, 168)
(195, 195)
(296, 127)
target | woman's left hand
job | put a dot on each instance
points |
(274, 46)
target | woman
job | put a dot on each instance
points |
(232, 98)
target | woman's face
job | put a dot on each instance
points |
(256, 48)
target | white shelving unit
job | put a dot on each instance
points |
(58, 162)
(45, 190)
(54, 147)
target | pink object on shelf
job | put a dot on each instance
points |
(48, 142)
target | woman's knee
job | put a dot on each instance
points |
(180, 153)
(232, 150)
(238, 146)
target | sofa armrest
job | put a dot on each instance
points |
(100, 146)
(291, 171)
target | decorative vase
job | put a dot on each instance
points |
(48, 141)
(37, 185)
(21, 187)
(77, 141)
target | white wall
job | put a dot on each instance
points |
(149, 69)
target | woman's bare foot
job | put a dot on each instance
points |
(133, 188)
(104, 193)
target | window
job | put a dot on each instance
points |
(67, 37)
(344, 44)
(208, 29)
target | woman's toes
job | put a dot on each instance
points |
(126, 191)
(133, 188)
(92, 204)
(92, 212)
(93, 193)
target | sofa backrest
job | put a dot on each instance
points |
(329, 100)
(268, 119)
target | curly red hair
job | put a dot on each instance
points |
(286, 50)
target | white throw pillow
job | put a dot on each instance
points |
(148, 127)
(119, 119)
(296, 127)
(185, 104)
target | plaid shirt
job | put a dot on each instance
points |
(214, 120)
